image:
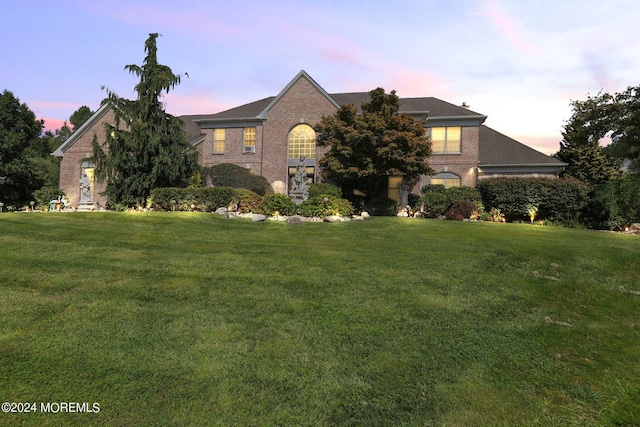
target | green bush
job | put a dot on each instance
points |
(234, 176)
(434, 203)
(324, 189)
(322, 206)
(558, 200)
(44, 195)
(277, 202)
(436, 199)
(192, 199)
(462, 194)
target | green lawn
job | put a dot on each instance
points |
(191, 319)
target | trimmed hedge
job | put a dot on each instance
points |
(558, 200)
(234, 176)
(192, 199)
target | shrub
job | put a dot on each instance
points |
(277, 202)
(187, 199)
(560, 200)
(381, 206)
(44, 195)
(463, 194)
(436, 199)
(247, 201)
(435, 204)
(324, 189)
(461, 210)
(322, 206)
(234, 176)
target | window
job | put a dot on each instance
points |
(447, 179)
(219, 136)
(302, 142)
(249, 140)
(445, 139)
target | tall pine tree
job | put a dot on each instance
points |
(145, 148)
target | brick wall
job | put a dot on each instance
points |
(71, 163)
(302, 103)
(464, 164)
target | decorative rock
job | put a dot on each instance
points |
(258, 218)
(358, 218)
(296, 219)
(332, 219)
(365, 215)
(231, 215)
(222, 211)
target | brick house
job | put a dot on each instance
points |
(268, 137)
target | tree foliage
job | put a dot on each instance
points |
(147, 148)
(80, 116)
(22, 151)
(616, 116)
(366, 149)
(580, 148)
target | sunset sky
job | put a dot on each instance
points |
(518, 62)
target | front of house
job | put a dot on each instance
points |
(269, 137)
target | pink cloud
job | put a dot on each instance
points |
(506, 26)
(52, 124)
(409, 82)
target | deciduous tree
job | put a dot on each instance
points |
(21, 151)
(366, 149)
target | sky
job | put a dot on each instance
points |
(520, 63)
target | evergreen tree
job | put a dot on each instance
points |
(147, 148)
(21, 151)
(581, 150)
(366, 149)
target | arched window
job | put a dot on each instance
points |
(302, 142)
(447, 179)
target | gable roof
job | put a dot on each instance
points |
(497, 149)
(95, 118)
(302, 74)
(431, 107)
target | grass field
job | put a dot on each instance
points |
(191, 319)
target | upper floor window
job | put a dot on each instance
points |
(445, 139)
(249, 140)
(302, 142)
(219, 136)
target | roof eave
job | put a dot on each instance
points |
(59, 152)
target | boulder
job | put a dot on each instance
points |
(332, 219)
(365, 215)
(231, 215)
(221, 211)
(358, 218)
(258, 218)
(295, 219)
